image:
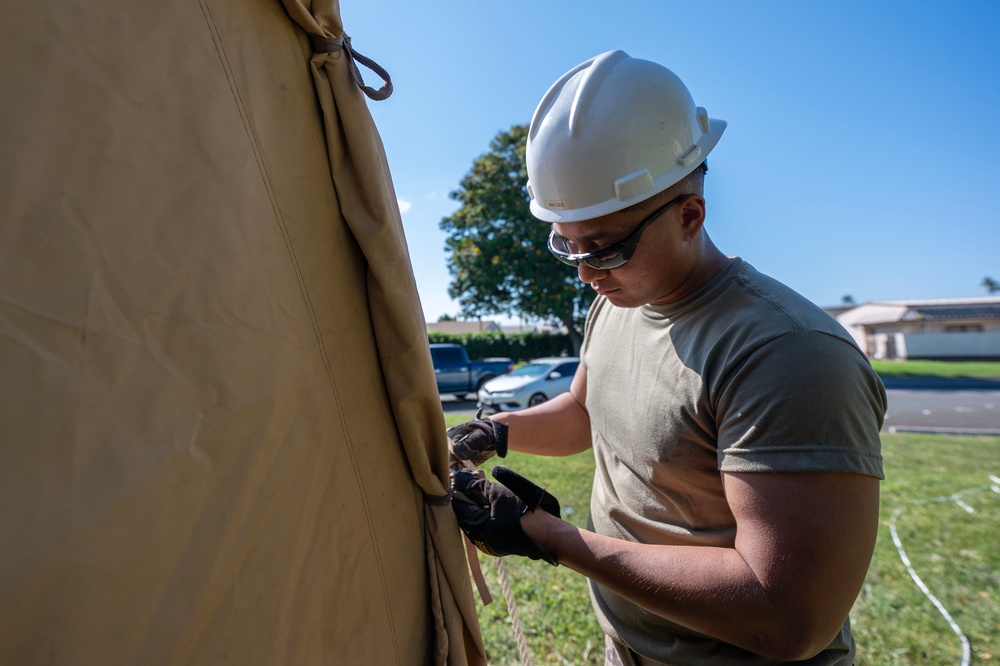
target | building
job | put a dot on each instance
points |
(945, 329)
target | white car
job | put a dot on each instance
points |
(532, 384)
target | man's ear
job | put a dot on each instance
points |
(692, 216)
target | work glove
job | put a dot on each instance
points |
(475, 442)
(490, 513)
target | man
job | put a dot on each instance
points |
(735, 426)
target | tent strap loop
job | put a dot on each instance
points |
(438, 500)
(324, 44)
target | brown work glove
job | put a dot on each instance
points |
(475, 442)
(490, 513)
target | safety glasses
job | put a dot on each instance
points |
(613, 256)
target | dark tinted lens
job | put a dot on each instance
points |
(560, 248)
(611, 257)
(615, 260)
(566, 260)
(605, 262)
(558, 244)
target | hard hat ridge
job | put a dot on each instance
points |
(591, 74)
(611, 132)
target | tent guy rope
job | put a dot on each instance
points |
(515, 619)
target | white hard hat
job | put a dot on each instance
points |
(611, 132)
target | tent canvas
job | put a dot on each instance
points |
(220, 431)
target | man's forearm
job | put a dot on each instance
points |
(713, 591)
(558, 427)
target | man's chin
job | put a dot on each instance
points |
(620, 299)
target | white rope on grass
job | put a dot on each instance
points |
(962, 505)
(957, 499)
(966, 649)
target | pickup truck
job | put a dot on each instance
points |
(457, 375)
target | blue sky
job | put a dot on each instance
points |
(861, 155)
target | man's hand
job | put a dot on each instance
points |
(476, 442)
(490, 513)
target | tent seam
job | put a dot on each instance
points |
(279, 218)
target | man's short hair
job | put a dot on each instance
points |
(655, 200)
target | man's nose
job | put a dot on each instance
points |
(588, 274)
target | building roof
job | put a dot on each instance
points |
(939, 312)
(887, 312)
(973, 300)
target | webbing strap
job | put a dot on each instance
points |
(471, 552)
(322, 44)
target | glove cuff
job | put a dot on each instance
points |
(500, 437)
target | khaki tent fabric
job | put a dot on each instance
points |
(218, 422)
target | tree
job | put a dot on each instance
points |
(992, 286)
(497, 251)
(847, 299)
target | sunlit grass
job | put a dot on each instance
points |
(937, 368)
(954, 551)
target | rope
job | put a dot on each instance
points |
(515, 619)
(324, 44)
(966, 650)
(957, 499)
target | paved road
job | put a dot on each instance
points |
(453, 405)
(915, 404)
(943, 405)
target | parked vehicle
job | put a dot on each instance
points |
(531, 384)
(457, 375)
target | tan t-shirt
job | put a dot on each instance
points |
(743, 376)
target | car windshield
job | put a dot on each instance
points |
(530, 370)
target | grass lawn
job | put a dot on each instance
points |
(937, 368)
(939, 494)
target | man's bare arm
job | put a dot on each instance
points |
(803, 545)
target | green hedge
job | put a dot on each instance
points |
(518, 346)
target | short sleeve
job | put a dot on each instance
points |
(805, 401)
